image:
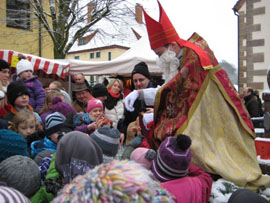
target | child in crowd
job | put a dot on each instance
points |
(108, 139)
(26, 124)
(143, 156)
(8, 194)
(76, 154)
(118, 181)
(56, 85)
(53, 124)
(11, 143)
(18, 97)
(21, 173)
(171, 166)
(54, 102)
(25, 73)
(92, 119)
(48, 103)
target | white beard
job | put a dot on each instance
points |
(168, 63)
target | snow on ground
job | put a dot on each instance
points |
(223, 189)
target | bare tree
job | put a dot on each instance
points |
(231, 71)
(68, 20)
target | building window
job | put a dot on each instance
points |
(76, 57)
(92, 55)
(109, 56)
(82, 41)
(97, 54)
(17, 14)
(92, 80)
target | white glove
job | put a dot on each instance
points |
(147, 118)
(130, 99)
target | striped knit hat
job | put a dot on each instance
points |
(118, 181)
(173, 158)
(11, 144)
(54, 122)
(10, 195)
(108, 140)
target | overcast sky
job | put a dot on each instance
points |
(214, 20)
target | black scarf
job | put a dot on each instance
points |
(111, 101)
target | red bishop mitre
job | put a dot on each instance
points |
(162, 33)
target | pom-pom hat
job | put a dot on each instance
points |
(173, 158)
(143, 156)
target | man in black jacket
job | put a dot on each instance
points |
(251, 103)
(140, 77)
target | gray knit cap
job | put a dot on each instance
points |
(21, 173)
(108, 139)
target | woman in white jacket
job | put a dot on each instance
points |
(114, 104)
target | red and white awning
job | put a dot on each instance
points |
(61, 69)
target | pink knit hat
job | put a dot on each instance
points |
(94, 103)
(143, 156)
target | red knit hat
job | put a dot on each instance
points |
(162, 33)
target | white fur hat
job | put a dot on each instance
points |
(24, 65)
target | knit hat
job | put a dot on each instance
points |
(11, 144)
(245, 196)
(53, 123)
(24, 65)
(108, 139)
(143, 156)
(16, 89)
(141, 68)
(4, 65)
(94, 103)
(118, 181)
(62, 107)
(79, 87)
(99, 90)
(21, 173)
(41, 155)
(76, 153)
(173, 158)
(10, 195)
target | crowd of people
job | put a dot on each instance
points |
(108, 143)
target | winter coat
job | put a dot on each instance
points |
(193, 188)
(36, 91)
(79, 106)
(139, 105)
(41, 145)
(81, 122)
(42, 195)
(10, 115)
(114, 112)
(252, 105)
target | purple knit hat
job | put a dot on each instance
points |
(173, 158)
(62, 107)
